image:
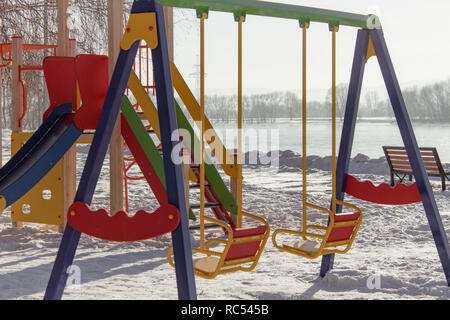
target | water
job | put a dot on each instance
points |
(370, 136)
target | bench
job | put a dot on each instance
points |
(398, 161)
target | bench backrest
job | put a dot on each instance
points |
(398, 161)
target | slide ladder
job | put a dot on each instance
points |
(213, 201)
(220, 199)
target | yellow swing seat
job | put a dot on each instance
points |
(337, 237)
(241, 252)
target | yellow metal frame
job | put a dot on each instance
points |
(141, 26)
(225, 159)
(223, 266)
(43, 211)
(240, 20)
(325, 246)
(202, 130)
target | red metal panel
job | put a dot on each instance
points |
(248, 232)
(246, 249)
(343, 233)
(243, 250)
(120, 227)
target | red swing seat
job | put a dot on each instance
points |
(241, 251)
(120, 227)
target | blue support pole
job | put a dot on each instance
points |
(348, 129)
(174, 176)
(412, 149)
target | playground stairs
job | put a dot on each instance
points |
(212, 201)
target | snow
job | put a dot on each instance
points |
(394, 246)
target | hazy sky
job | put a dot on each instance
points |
(415, 32)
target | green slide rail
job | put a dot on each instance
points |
(215, 180)
(146, 143)
(279, 10)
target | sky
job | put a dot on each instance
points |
(419, 48)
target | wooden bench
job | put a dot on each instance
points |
(398, 161)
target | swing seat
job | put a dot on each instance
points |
(243, 246)
(383, 193)
(120, 227)
(338, 237)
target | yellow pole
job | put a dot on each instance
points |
(304, 123)
(202, 129)
(240, 120)
(333, 120)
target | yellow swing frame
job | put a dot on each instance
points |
(214, 262)
(305, 247)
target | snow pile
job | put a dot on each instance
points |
(288, 160)
(393, 256)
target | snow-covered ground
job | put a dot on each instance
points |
(394, 249)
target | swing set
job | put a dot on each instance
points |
(242, 248)
(339, 235)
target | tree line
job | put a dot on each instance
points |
(426, 103)
(36, 22)
(273, 105)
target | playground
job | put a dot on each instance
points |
(116, 196)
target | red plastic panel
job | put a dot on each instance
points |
(248, 232)
(246, 249)
(383, 193)
(243, 250)
(121, 228)
(343, 233)
(61, 82)
(143, 162)
(93, 79)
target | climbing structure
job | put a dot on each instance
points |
(35, 166)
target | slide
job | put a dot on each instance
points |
(38, 156)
